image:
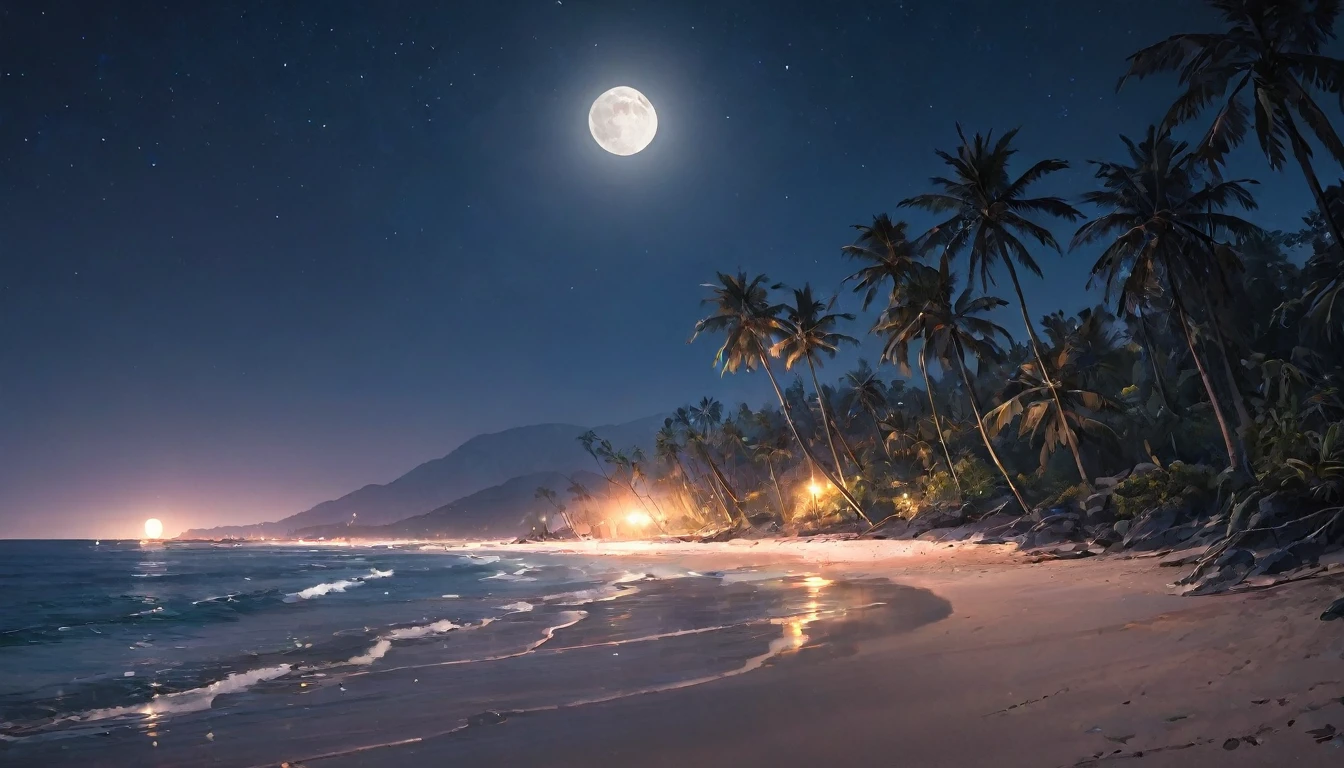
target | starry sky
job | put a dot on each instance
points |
(254, 255)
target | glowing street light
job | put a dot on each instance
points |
(814, 489)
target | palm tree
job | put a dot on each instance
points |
(554, 500)
(773, 445)
(1268, 61)
(1030, 396)
(696, 423)
(744, 315)
(951, 328)
(888, 254)
(903, 324)
(864, 391)
(668, 447)
(807, 331)
(1159, 215)
(989, 218)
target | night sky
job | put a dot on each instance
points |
(255, 255)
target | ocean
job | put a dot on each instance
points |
(123, 653)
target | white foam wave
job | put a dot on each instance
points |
(384, 643)
(519, 607)
(597, 595)
(502, 576)
(327, 588)
(192, 700)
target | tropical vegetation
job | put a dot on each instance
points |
(1214, 351)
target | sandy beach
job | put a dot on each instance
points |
(1076, 663)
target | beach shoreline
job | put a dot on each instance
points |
(1068, 663)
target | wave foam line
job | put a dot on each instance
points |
(319, 590)
(777, 646)
(568, 619)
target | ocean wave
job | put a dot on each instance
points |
(327, 588)
(518, 607)
(384, 643)
(190, 700)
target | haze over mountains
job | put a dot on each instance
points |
(452, 488)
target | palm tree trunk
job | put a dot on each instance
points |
(1232, 460)
(779, 494)
(826, 422)
(1158, 379)
(1070, 439)
(807, 451)
(877, 427)
(844, 444)
(980, 422)
(723, 484)
(1238, 402)
(1303, 154)
(714, 488)
(937, 425)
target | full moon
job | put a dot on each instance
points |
(153, 528)
(622, 121)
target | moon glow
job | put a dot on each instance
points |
(153, 528)
(622, 121)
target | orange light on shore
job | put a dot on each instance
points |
(638, 517)
(814, 489)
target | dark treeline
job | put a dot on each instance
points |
(1212, 348)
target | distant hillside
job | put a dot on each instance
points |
(496, 512)
(482, 462)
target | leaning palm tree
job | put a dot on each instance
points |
(687, 421)
(1157, 213)
(952, 328)
(990, 216)
(864, 391)
(748, 322)
(889, 256)
(807, 331)
(1032, 396)
(904, 324)
(1268, 60)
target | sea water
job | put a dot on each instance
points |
(122, 653)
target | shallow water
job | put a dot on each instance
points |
(177, 654)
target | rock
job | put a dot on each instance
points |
(1107, 535)
(1183, 557)
(1271, 510)
(1151, 531)
(1235, 556)
(1122, 527)
(1241, 513)
(1276, 561)
(1335, 611)
(1145, 468)
(1098, 515)
(936, 517)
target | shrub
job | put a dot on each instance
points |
(1185, 483)
(978, 481)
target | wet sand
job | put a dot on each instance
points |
(1075, 663)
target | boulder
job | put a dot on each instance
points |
(1106, 535)
(1276, 561)
(936, 517)
(1152, 531)
(1098, 515)
(1145, 468)
(1278, 507)
(1122, 527)
(1183, 557)
(1235, 556)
